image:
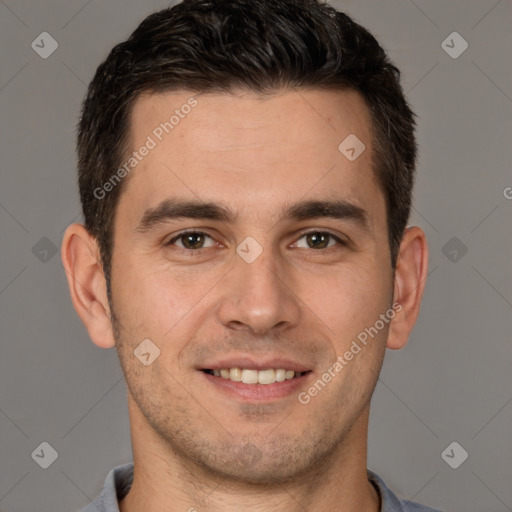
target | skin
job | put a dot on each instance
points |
(195, 447)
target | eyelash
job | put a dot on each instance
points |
(312, 232)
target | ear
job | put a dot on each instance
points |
(82, 262)
(410, 276)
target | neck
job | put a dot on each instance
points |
(165, 480)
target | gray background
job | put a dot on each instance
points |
(451, 383)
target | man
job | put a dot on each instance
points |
(245, 171)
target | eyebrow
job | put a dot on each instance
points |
(171, 209)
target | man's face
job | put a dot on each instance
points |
(318, 282)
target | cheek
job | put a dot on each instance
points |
(156, 303)
(349, 299)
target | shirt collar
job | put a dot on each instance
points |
(119, 481)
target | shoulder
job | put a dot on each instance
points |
(393, 503)
(117, 485)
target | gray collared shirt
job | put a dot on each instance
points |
(119, 481)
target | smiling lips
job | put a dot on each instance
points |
(256, 379)
(251, 376)
(246, 370)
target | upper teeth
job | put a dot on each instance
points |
(256, 377)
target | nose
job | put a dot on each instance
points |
(258, 297)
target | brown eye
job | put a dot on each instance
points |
(192, 240)
(320, 240)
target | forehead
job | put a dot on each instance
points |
(249, 150)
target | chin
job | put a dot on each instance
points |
(279, 462)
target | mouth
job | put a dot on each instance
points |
(251, 376)
(253, 385)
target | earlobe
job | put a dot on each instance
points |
(87, 286)
(410, 276)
